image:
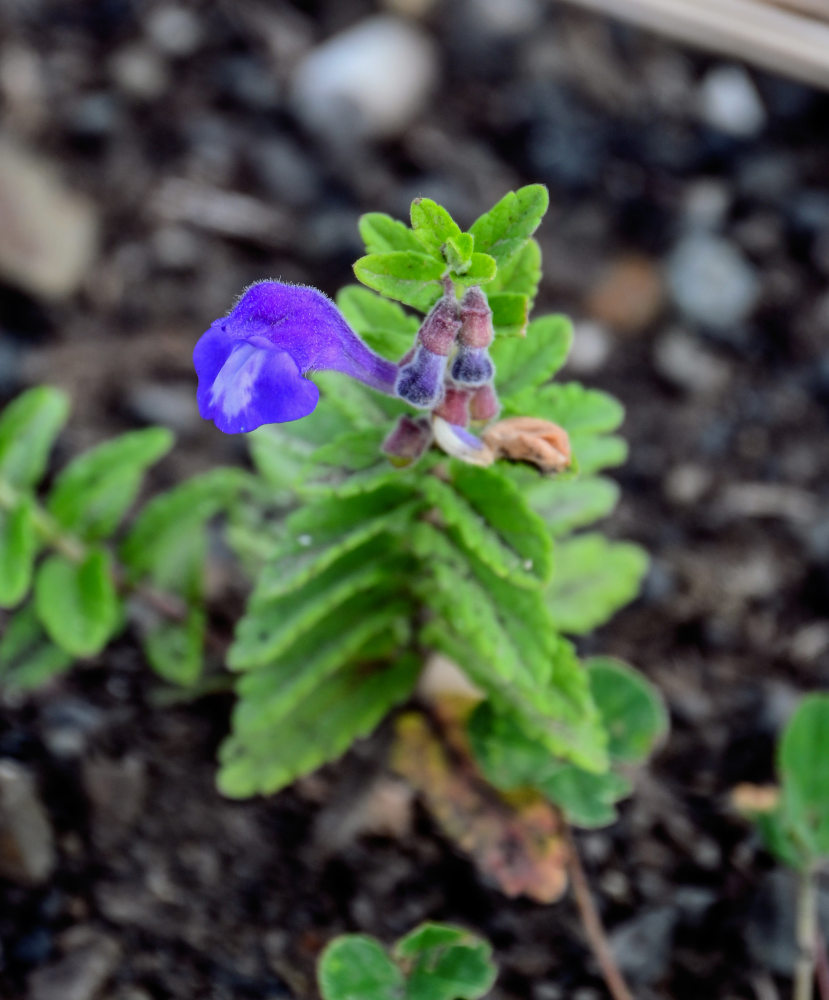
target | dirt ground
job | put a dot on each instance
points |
(688, 237)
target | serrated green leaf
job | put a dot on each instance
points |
(592, 579)
(355, 967)
(592, 452)
(445, 963)
(175, 649)
(77, 603)
(458, 252)
(632, 709)
(272, 623)
(505, 512)
(521, 273)
(383, 234)
(406, 276)
(384, 326)
(433, 225)
(566, 504)
(576, 409)
(802, 762)
(354, 450)
(480, 269)
(506, 227)
(523, 364)
(18, 547)
(345, 706)
(96, 489)
(510, 313)
(28, 658)
(28, 428)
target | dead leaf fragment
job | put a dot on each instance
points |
(516, 840)
(753, 799)
(530, 439)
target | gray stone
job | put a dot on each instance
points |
(371, 79)
(27, 848)
(642, 945)
(49, 233)
(68, 724)
(174, 29)
(729, 102)
(711, 282)
(684, 362)
(116, 790)
(90, 959)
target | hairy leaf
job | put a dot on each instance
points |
(28, 428)
(458, 252)
(524, 364)
(566, 504)
(592, 579)
(592, 452)
(631, 708)
(97, 488)
(28, 658)
(77, 602)
(433, 225)
(505, 228)
(480, 269)
(384, 326)
(521, 273)
(409, 277)
(345, 706)
(383, 234)
(576, 409)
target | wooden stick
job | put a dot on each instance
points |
(773, 37)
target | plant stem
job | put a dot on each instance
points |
(592, 923)
(806, 936)
(822, 965)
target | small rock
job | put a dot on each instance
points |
(705, 203)
(711, 282)
(628, 295)
(174, 30)
(140, 72)
(506, 20)
(27, 848)
(642, 945)
(372, 79)
(90, 959)
(729, 102)
(686, 484)
(591, 348)
(385, 809)
(68, 725)
(116, 790)
(49, 233)
(685, 363)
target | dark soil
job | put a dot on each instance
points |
(726, 486)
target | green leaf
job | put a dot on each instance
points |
(342, 708)
(802, 762)
(481, 269)
(95, 490)
(445, 963)
(28, 658)
(496, 501)
(384, 326)
(355, 967)
(433, 225)
(354, 450)
(18, 547)
(592, 452)
(408, 277)
(505, 228)
(28, 428)
(523, 364)
(510, 313)
(566, 504)
(592, 579)
(521, 274)
(383, 234)
(632, 709)
(458, 252)
(77, 602)
(175, 649)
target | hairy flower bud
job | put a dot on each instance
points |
(454, 406)
(438, 331)
(420, 382)
(476, 319)
(484, 404)
(472, 366)
(408, 440)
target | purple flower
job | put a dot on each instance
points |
(252, 363)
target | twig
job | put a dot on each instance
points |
(592, 923)
(806, 936)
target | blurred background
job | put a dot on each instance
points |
(157, 157)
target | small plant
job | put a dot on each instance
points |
(433, 962)
(793, 822)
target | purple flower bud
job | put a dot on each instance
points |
(252, 364)
(472, 366)
(409, 439)
(454, 407)
(476, 319)
(420, 382)
(484, 404)
(438, 331)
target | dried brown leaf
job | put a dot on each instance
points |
(530, 439)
